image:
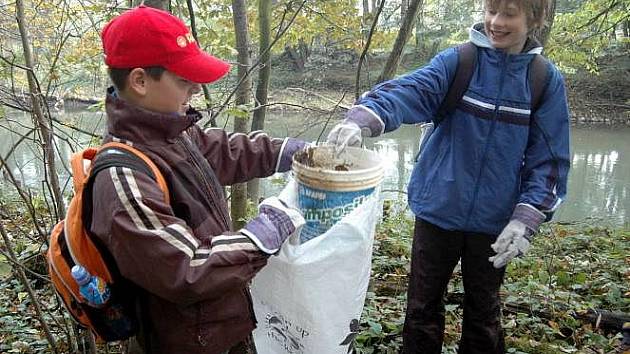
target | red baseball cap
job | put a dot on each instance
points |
(145, 36)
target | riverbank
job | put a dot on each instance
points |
(325, 82)
(603, 97)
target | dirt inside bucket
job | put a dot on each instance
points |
(321, 158)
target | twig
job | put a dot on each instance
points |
(17, 263)
(288, 104)
(329, 117)
(337, 103)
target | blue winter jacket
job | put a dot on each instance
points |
(490, 157)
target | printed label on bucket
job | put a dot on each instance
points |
(322, 209)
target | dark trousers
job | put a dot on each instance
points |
(434, 255)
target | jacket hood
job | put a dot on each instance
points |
(134, 123)
(477, 35)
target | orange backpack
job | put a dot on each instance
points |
(71, 244)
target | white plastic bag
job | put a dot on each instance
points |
(308, 299)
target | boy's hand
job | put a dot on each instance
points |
(515, 238)
(276, 221)
(513, 241)
(360, 122)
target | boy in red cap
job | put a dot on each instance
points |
(190, 270)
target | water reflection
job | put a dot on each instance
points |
(600, 176)
(599, 181)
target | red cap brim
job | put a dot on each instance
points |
(202, 68)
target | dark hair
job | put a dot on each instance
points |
(119, 76)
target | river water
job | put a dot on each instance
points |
(599, 182)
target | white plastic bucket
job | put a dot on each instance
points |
(331, 186)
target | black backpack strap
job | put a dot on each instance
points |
(106, 158)
(466, 63)
(538, 80)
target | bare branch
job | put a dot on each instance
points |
(357, 82)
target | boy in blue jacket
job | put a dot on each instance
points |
(488, 176)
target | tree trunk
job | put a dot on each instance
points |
(243, 94)
(404, 7)
(542, 34)
(295, 57)
(42, 122)
(420, 27)
(158, 4)
(626, 33)
(365, 19)
(262, 89)
(304, 50)
(403, 35)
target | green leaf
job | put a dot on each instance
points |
(375, 327)
(238, 112)
(563, 278)
(580, 278)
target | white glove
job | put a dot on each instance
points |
(514, 241)
(345, 134)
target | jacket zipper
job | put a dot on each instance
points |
(183, 141)
(504, 65)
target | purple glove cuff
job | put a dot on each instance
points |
(528, 215)
(370, 123)
(289, 147)
(269, 229)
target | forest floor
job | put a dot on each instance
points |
(569, 294)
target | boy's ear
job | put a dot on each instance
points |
(137, 81)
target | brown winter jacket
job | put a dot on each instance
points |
(193, 269)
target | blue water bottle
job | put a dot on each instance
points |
(94, 289)
(106, 313)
